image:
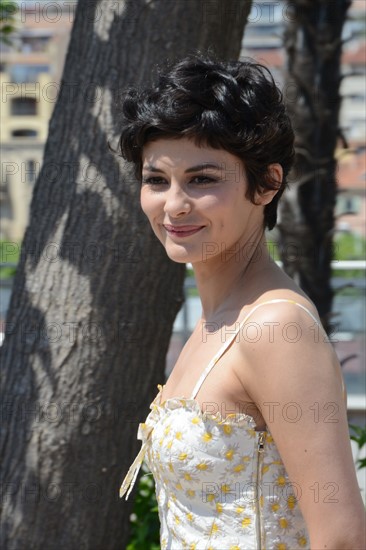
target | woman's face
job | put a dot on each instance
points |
(194, 198)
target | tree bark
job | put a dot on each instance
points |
(95, 295)
(313, 75)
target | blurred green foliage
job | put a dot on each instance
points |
(348, 246)
(359, 437)
(8, 10)
(9, 254)
(145, 525)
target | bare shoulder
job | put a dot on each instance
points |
(283, 306)
(283, 339)
(274, 288)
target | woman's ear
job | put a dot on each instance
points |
(275, 176)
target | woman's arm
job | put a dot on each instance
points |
(294, 377)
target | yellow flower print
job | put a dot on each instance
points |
(239, 509)
(291, 502)
(227, 429)
(178, 435)
(189, 516)
(275, 507)
(214, 529)
(281, 546)
(283, 523)
(246, 522)
(225, 488)
(251, 432)
(189, 476)
(183, 456)
(229, 455)
(167, 430)
(196, 420)
(207, 436)
(219, 507)
(281, 481)
(301, 538)
(230, 452)
(190, 493)
(238, 468)
(204, 466)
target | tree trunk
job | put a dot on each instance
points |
(95, 295)
(314, 46)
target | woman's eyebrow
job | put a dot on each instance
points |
(204, 166)
(151, 168)
(196, 168)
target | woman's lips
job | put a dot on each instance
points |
(182, 230)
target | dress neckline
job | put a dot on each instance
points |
(189, 403)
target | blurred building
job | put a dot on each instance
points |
(351, 202)
(263, 42)
(30, 73)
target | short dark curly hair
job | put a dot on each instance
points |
(235, 106)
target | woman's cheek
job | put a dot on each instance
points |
(147, 204)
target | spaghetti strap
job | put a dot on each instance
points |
(227, 344)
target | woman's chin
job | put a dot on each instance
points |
(181, 255)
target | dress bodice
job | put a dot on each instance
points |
(220, 483)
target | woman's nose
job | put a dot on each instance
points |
(177, 202)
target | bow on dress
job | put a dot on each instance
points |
(144, 433)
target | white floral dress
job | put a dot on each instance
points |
(220, 484)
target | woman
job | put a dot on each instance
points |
(248, 439)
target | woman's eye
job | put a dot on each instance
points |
(203, 179)
(197, 180)
(153, 180)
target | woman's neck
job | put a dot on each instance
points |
(227, 281)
